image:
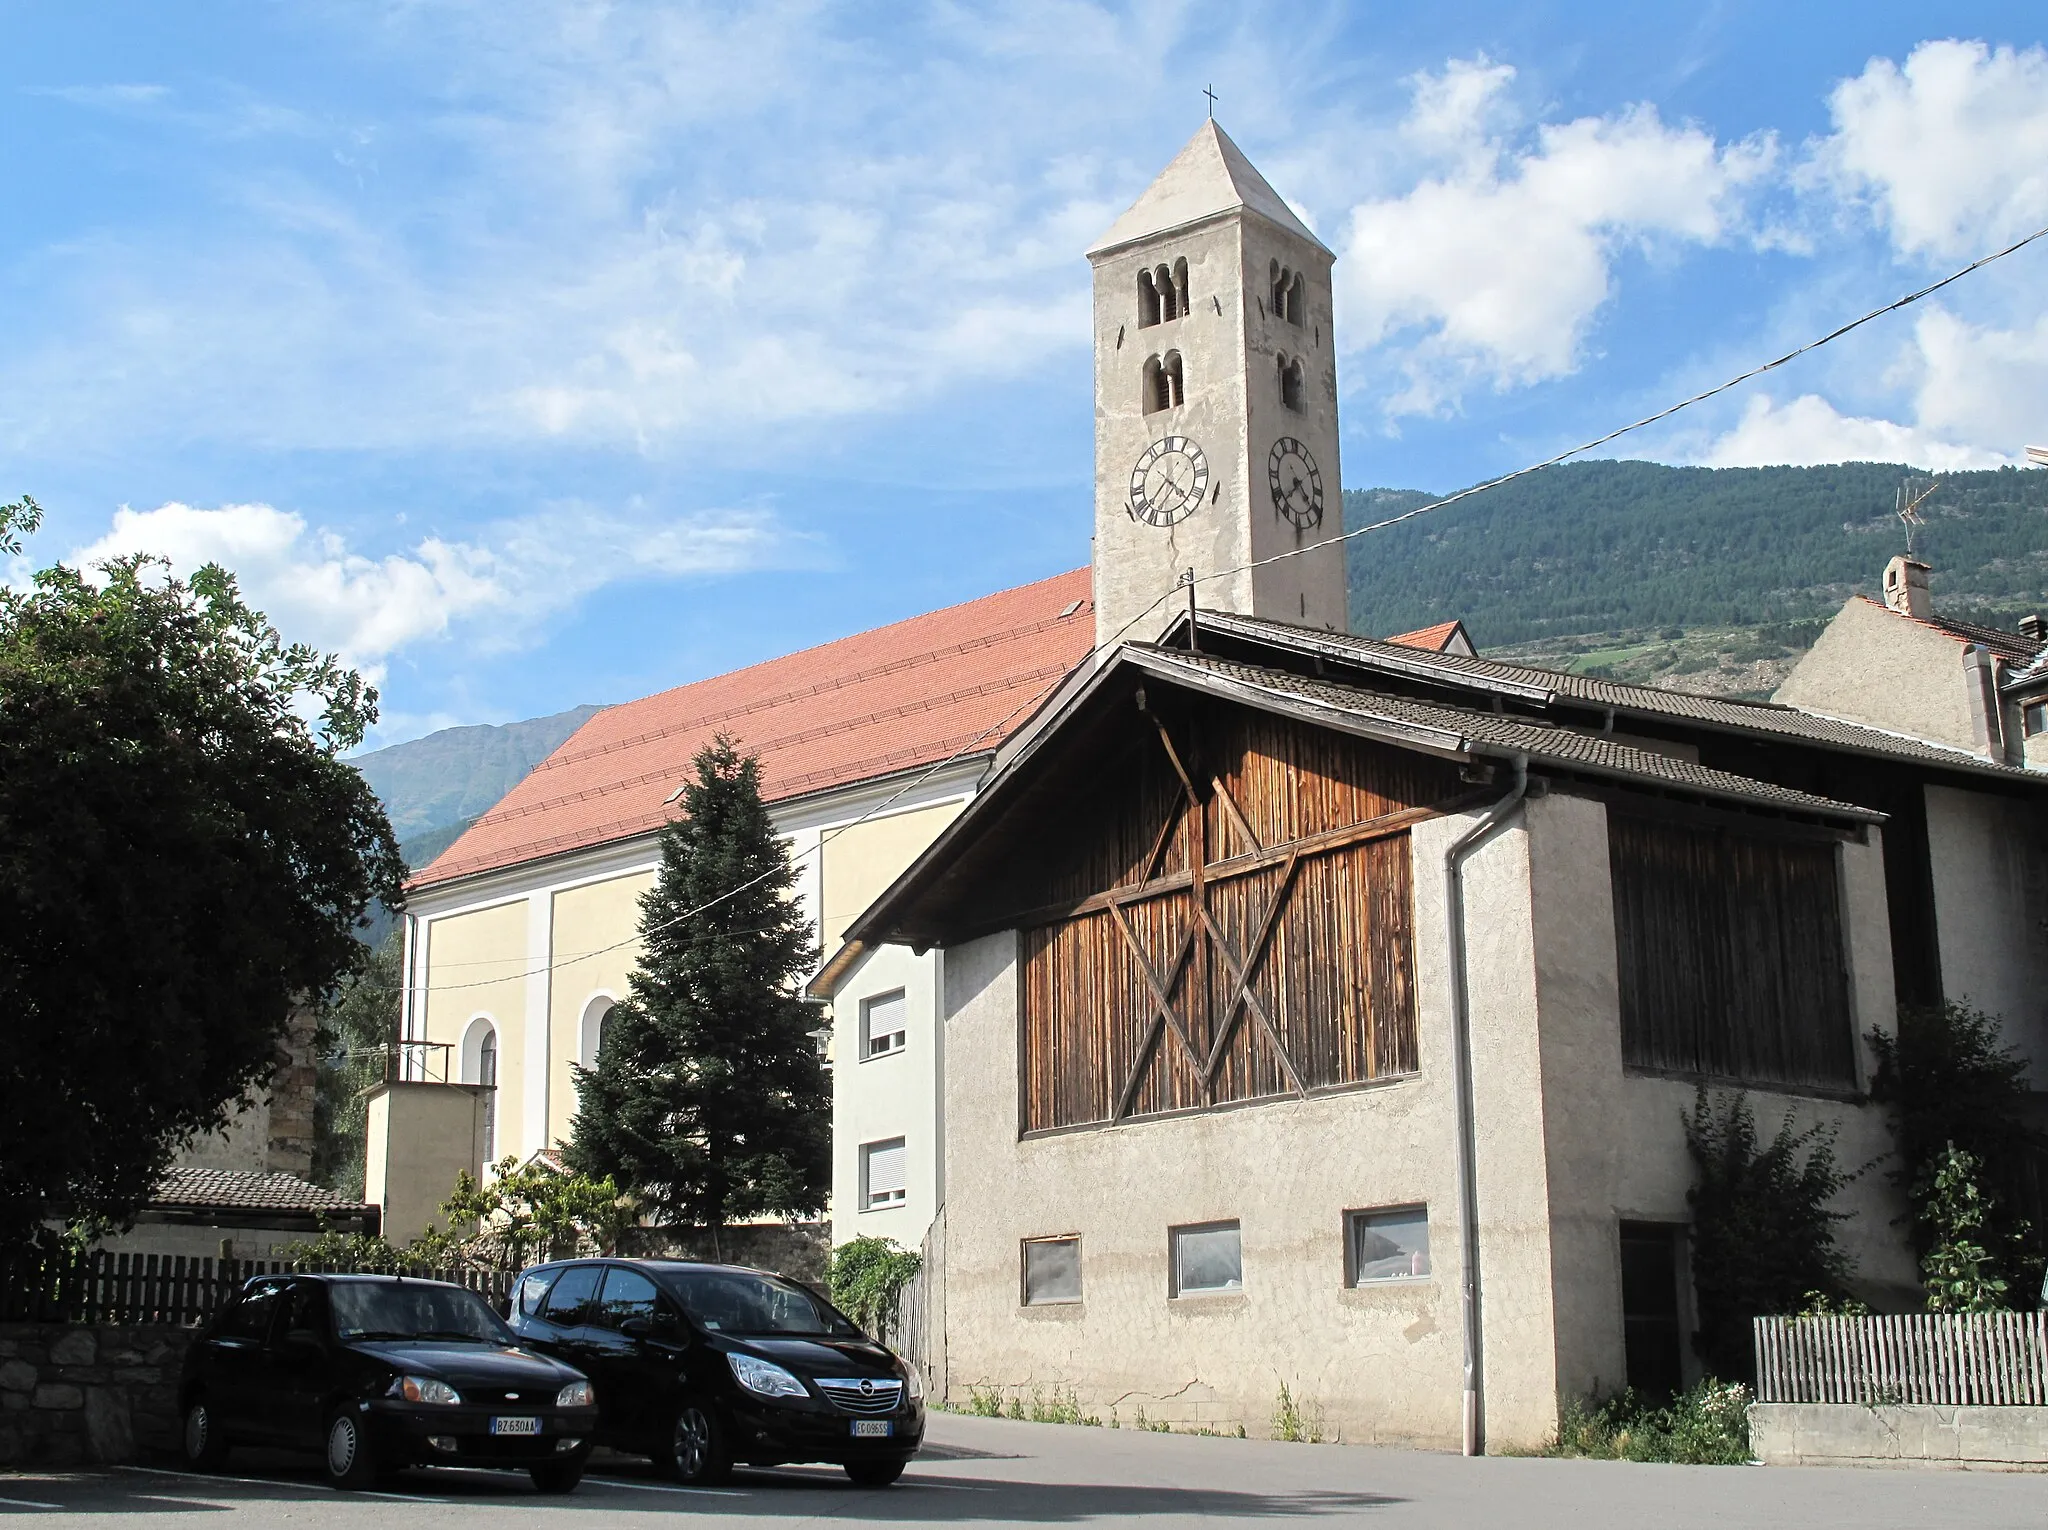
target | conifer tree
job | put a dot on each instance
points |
(709, 1102)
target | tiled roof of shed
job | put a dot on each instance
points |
(1430, 638)
(246, 1190)
(1485, 676)
(872, 705)
(1544, 743)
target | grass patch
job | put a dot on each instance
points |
(1299, 1420)
(1708, 1425)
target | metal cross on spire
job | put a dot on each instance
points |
(1210, 92)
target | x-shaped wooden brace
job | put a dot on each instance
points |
(1243, 972)
(1163, 1018)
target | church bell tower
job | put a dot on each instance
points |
(1215, 404)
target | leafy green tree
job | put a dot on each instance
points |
(1763, 1238)
(1959, 1273)
(182, 855)
(357, 1026)
(535, 1208)
(867, 1278)
(709, 1102)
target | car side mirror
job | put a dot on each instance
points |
(637, 1327)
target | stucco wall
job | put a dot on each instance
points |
(1382, 1363)
(857, 863)
(895, 1095)
(1990, 867)
(476, 965)
(595, 950)
(1874, 666)
(417, 1139)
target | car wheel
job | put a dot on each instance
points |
(206, 1448)
(874, 1473)
(351, 1457)
(557, 1476)
(696, 1451)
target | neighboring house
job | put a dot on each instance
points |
(1445, 637)
(241, 1192)
(1899, 665)
(1896, 664)
(521, 935)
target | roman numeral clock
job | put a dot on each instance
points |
(1168, 482)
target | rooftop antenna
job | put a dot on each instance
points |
(1909, 503)
(1210, 92)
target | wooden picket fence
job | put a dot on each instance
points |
(103, 1287)
(1985, 1359)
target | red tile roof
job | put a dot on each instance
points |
(879, 702)
(1431, 638)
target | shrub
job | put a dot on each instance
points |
(1959, 1273)
(867, 1278)
(1763, 1236)
(1297, 1420)
(1707, 1425)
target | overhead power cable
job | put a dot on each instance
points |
(1116, 637)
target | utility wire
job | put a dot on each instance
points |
(1358, 531)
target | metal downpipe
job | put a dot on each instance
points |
(1461, 1025)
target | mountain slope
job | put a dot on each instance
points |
(446, 779)
(1613, 548)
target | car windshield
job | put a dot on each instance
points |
(406, 1310)
(736, 1301)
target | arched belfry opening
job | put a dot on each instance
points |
(1290, 382)
(1148, 300)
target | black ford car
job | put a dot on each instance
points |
(379, 1372)
(702, 1365)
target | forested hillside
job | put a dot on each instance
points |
(1611, 549)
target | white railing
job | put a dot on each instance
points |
(1985, 1359)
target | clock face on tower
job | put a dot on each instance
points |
(1297, 486)
(1168, 482)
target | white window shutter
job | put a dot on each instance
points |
(886, 1179)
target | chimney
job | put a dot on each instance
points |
(1987, 722)
(1905, 587)
(2033, 629)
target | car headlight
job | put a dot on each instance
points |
(424, 1389)
(764, 1376)
(913, 1384)
(577, 1394)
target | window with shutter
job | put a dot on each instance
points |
(882, 1174)
(883, 1022)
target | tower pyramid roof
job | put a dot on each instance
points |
(1209, 176)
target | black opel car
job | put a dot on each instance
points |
(703, 1365)
(379, 1372)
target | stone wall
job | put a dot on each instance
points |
(799, 1250)
(74, 1392)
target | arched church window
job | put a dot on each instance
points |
(1169, 298)
(480, 1066)
(1175, 393)
(597, 1024)
(1294, 301)
(1148, 300)
(1290, 381)
(1180, 285)
(1276, 300)
(1153, 395)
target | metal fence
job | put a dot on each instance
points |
(1995, 1359)
(103, 1287)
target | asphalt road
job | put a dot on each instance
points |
(990, 1471)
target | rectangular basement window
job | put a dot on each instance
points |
(882, 1177)
(1208, 1258)
(1391, 1243)
(882, 1024)
(1052, 1271)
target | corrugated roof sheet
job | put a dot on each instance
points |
(1762, 718)
(875, 704)
(246, 1190)
(1544, 743)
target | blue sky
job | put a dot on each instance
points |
(539, 353)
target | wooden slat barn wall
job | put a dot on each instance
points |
(1730, 954)
(1956, 1359)
(1323, 930)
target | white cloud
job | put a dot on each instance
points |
(1951, 148)
(497, 592)
(1491, 270)
(1810, 430)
